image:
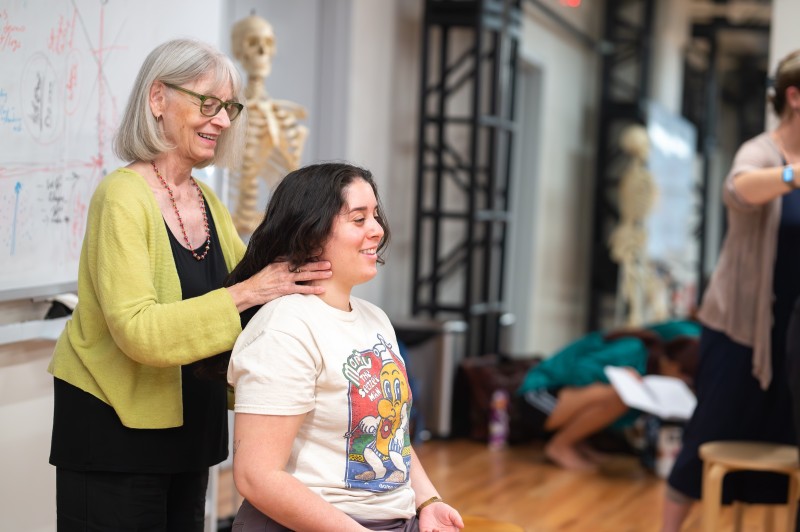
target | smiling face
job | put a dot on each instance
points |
(193, 134)
(353, 243)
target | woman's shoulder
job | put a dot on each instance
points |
(760, 148)
(282, 312)
(122, 183)
(762, 139)
(369, 309)
(291, 314)
(122, 188)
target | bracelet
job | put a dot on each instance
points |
(432, 500)
(787, 176)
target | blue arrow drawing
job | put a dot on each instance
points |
(17, 188)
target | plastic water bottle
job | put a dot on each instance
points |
(498, 419)
(670, 440)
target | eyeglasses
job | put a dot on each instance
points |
(210, 105)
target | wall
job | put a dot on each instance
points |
(669, 42)
(562, 202)
(372, 84)
(27, 485)
(523, 248)
(399, 192)
(783, 35)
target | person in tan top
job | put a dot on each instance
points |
(741, 383)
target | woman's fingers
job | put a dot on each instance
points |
(322, 265)
(312, 271)
(279, 279)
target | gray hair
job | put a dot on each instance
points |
(180, 61)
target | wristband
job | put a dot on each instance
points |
(787, 176)
(426, 503)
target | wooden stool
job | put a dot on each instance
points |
(474, 523)
(723, 457)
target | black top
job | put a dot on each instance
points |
(88, 435)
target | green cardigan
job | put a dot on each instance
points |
(131, 332)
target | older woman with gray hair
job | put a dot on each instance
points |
(135, 426)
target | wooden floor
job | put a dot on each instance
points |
(517, 485)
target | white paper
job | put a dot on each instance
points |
(666, 397)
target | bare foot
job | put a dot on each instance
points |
(592, 454)
(396, 476)
(568, 457)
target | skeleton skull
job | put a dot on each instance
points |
(253, 44)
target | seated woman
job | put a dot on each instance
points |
(572, 390)
(321, 439)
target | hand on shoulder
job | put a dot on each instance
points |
(278, 279)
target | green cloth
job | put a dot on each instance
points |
(581, 363)
(671, 329)
(131, 331)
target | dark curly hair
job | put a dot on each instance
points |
(297, 224)
(299, 218)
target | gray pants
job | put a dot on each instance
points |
(250, 519)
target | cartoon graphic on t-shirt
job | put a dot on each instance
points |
(379, 447)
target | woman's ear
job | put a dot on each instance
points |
(157, 99)
(793, 98)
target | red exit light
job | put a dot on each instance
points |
(571, 3)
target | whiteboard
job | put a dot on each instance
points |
(66, 70)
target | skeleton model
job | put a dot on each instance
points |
(640, 289)
(275, 139)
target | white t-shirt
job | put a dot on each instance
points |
(299, 355)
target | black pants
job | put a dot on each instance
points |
(123, 502)
(793, 362)
(793, 370)
(732, 406)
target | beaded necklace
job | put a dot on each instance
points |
(178, 214)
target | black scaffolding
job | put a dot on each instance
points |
(464, 165)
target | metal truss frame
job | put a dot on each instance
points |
(464, 163)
